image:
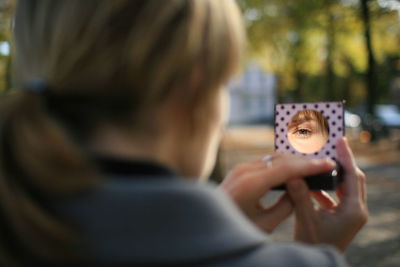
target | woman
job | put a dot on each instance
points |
(119, 113)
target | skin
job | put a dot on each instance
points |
(190, 136)
(307, 137)
(332, 222)
(182, 145)
(329, 222)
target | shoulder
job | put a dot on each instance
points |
(177, 221)
(286, 254)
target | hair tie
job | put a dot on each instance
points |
(37, 86)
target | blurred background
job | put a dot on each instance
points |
(326, 50)
(314, 50)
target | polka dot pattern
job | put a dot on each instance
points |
(333, 112)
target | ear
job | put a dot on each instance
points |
(191, 114)
(195, 105)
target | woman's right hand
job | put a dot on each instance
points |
(332, 223)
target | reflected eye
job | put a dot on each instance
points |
(303, 133)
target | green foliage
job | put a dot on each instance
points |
(317, 47)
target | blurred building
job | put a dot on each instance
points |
(252, 96)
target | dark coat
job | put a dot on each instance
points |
(145, 215)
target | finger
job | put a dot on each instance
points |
(282, 170)
(247, 166)
(300, 196)
(249, 187)
(351, 184)
(362, 185)
(271, 217)
(324, 200)
(234, 176)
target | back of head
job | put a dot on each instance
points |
(95, 61)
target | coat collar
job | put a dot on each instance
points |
(128, 168)
(160, 221)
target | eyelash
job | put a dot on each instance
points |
(306, 133)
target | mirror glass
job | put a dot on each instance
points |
(308, 131)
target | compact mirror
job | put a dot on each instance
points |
(311, 130)
(308, 131)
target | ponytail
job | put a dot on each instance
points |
(38, 163)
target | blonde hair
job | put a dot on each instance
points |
(100, 60)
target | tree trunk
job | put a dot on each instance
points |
(346, 93)
(330, 75)
(372, 95)
(299, 92)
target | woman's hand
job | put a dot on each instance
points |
(249, 182)
(331, 223)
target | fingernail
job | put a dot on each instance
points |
(345, 140)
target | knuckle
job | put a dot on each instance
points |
(357, 213)
(361, 175)
(362, 217)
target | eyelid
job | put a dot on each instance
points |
(303, 136)
(301, 127)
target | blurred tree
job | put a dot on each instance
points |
(370, 76)
(330, 48)
(279, 32)
(316, 47)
